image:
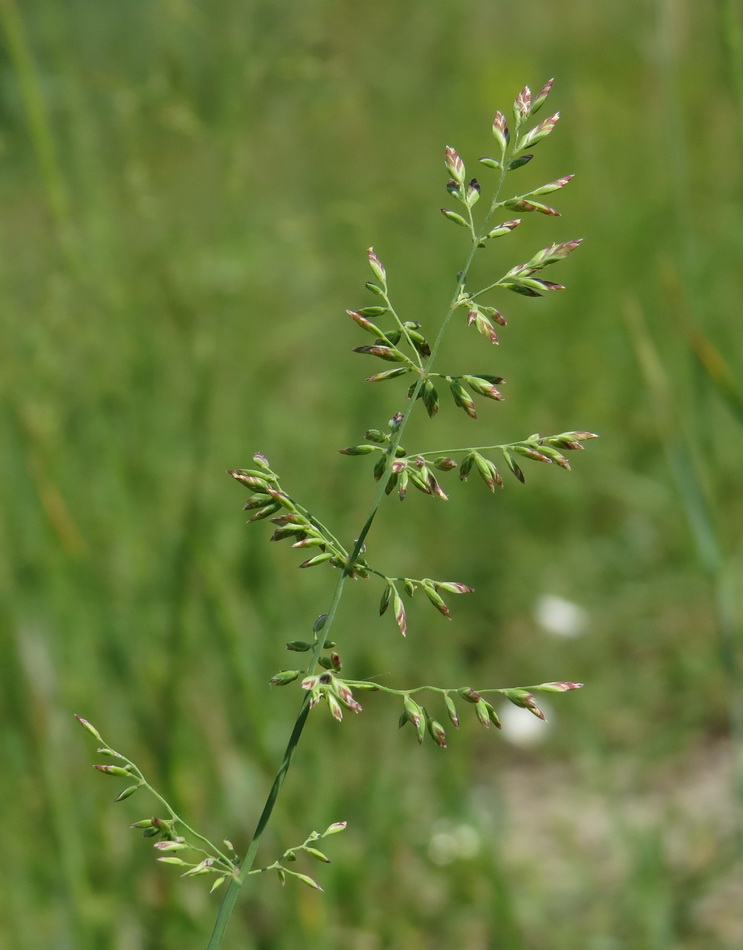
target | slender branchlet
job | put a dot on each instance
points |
(416, 355)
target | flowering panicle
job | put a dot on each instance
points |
(408, 346)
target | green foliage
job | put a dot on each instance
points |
(182, 224)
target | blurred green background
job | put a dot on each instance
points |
(188, 192)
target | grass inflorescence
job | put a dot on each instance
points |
(417, 352)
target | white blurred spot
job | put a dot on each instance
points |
(560, 617)
(522, 728)
(452, 842)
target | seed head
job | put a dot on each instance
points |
(500, 131)
(376, 265)
(454, 165)
(436, 731)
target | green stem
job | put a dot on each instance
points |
(230, 898)
(472, 448)
(418, 365)
(37, 117)
(172, 815)
(316, 523)
(361, 684)
(731, 35)
(479, 293)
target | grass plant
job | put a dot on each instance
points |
(396, 470)
(222, 168)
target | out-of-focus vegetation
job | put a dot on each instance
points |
(188, 191)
